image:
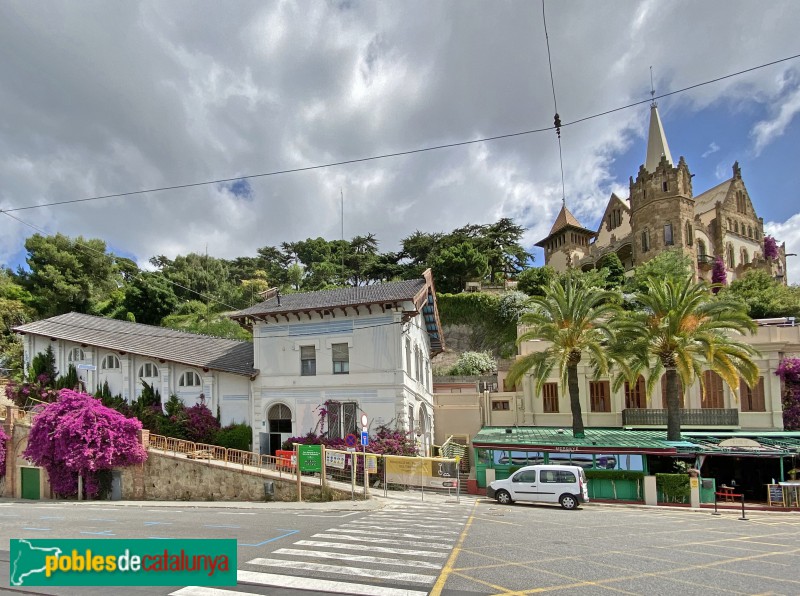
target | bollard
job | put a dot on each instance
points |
(744, 517)
(715, 505)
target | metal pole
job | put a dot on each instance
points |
(744, 517)
(297, 471)
(322, 464)
(352, 476)
(715, 502)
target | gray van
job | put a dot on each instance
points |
(566, 485)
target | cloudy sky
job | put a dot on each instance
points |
(106, 97)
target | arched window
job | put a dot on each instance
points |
(756, 234)
(148, 370)
(76, 355)
(745, 256)
(731, 259)
(701, 249)
(110, 362)
(689, 234)
(190, 379)
(749, 231)
(646, 241)
(636, 395)
(713, 393)
(736, 227)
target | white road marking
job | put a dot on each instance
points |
(235, 512)
(372, 549)
(383, 540)
(319, 554)
(427, 528)
(318, 585)
(372, 533)
(338, 569)
(204, 591)
(335, 515)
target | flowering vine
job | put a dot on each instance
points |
(3, 441)
(76, 435)
(770, 248)
(718, 274)
(789, 372)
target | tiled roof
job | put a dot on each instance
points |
(565, 219)
(226, 355)
(308, 301)
(707, 200)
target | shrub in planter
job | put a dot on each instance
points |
(235, 436)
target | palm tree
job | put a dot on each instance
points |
(575, 318)
(682, 329)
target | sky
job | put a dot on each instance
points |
(105, 97)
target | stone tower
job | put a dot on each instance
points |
(661, 203)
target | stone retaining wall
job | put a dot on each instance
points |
(165, 477)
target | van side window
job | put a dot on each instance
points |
(527, 476)
(557, 477)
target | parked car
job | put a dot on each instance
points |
(566, 485)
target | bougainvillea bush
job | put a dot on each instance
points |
(719, 274)
(27, 394)
(789, 372)
(3, 441)
(770, 248)
(76, 435)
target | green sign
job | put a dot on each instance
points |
(123, 562)
(310, 458)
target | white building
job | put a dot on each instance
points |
(124, 354)
(325, 358)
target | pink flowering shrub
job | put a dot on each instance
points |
(77, 434)
(770, 248)
(3, 441)
(201, 425)
(719, 275)
(24, 395)
(789, 372)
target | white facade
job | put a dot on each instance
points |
(125, 371)
(388, 374)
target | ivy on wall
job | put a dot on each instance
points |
(492, 328)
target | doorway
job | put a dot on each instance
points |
(31, 488)
(279, 423)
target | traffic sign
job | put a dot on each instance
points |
(364, 420)
(351, 440)
(365, 438)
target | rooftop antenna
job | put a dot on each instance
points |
(341, 195)
(653, 103)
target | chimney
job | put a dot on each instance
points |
(278, 296)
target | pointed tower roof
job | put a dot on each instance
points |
(656, 142)
(565, 219)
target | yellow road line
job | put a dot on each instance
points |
(448, 567)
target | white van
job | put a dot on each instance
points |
(542, 484)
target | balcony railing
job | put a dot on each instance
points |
(702, 417)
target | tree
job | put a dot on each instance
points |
(764, 296)
(616, 271)
(150, 298)
(453, 267)
(77, 435)
(533, 281)
(574, 318)
(473, 363)
(67, 275)
(13, 311)
(669, 264)
(681, 330)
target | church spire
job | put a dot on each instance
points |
(656, 139)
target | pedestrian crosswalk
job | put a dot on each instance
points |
(396, 551)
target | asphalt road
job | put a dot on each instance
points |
(411, 548)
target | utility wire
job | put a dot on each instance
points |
(397, 153)
(557, 118)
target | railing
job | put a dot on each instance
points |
(705, 260)
(689, 417)
(205, 452)
(451, 449)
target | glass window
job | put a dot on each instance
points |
(341, 417)
(500, 405)
(600, 396)
(341, 359)
(76, 355)
(701, 249)
(189, 379)
(518, 458)
(550, 397)
(110, 362)
(636, 396)
(556, 476)
(308, 361)
(408, 357)
(148, 370)
(619, 461)
(668, 240)
(526, 476)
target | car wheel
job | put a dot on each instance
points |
(503, 497)
(568, 501)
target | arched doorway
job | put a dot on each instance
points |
(279, 428)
